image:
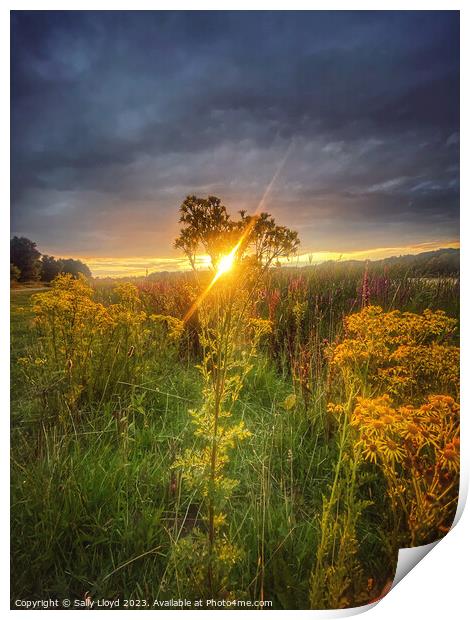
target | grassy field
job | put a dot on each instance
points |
(101, 415)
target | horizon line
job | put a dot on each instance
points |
(139, 266)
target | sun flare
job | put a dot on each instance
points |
(226, 263)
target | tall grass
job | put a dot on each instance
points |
(98, 506)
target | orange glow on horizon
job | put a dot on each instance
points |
(137, 266)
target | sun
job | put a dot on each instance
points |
(226, 263)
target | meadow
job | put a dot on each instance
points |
(335, 392)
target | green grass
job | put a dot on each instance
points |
(97, 509)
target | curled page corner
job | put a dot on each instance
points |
(409, 557)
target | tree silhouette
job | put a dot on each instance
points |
(27, 264)
(25, 256)
(50, 267)
(74, 267)
(208, 226)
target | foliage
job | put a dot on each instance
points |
(25, 257)
(51, 267)
(208, 225)
(225, 365)
(405, 354)
(27, 263)
(396, 367)
(84, 349)
(337, 579)
(75, 267)
(417, 449)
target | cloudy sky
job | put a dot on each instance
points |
(117, 116)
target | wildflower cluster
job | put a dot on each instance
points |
(401, 363)
(398, 435)
(86, 349)
(418, 451)
(400, 353)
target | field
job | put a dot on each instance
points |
(335, 440)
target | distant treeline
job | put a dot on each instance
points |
(443, 262)
(27, 264)
(437, 263)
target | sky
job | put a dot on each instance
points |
(117, 116)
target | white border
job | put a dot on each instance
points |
(439, 586)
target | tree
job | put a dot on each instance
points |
(25, 256)
(74, 267)
(50, 267)
(268, 240)
(207, 225)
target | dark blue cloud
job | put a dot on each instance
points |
(117, 115)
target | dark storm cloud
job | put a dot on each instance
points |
(116, 116)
